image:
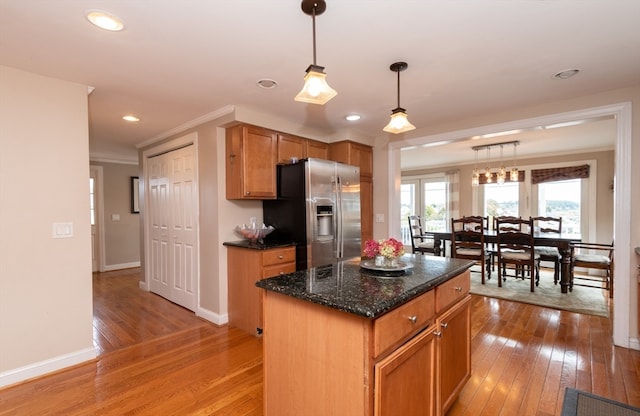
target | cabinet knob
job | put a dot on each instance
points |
(438, 334)
(413, 319)
(444, 325)
(458, 289)
(280, 257)
(247, 193)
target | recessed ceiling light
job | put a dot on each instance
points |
(567, 73)
(131, 118)
(353, 117)
(267, 83)
(105, 20)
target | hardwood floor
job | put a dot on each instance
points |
(156, 358)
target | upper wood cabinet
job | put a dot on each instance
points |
(355, 154)
(319, 150)
(359, 155)
(294, 146)
(251, 162)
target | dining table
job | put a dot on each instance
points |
(560, 240)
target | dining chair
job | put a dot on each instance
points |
(420, 242)
(516, 248)
(592, 256)
(467, 242)
(549, 225)
(505, 225)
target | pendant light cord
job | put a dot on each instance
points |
(313, 19)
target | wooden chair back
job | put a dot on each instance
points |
(592, 256)
(467, 240)
(548, 224)
(421, 242)
(516, 248)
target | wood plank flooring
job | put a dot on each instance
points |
(157, 358)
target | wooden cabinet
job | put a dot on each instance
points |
(353, 153)
(250, 163)
(318, 150)
(293, 146)
(409, 361)
(454, 356)
(245, 267)
(405, 380)
(360, 155)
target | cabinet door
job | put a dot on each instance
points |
(259, 162)
(404, 380)
(366, 210)
(317, 149)
(454, 352)
(290, 146)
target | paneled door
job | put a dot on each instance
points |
(173, 233)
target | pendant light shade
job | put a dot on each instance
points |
(315, 89)
(399, 122)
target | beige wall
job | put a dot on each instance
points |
(45, 283)
(121, 237)
(604, 172)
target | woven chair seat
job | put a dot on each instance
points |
(425, 244)
(592, 258)
(519, 255)
(547, 251)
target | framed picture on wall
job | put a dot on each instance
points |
(135, 195)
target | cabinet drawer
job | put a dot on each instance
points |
(398, 325)
(279, 256)
(452, 291)
(270, 271)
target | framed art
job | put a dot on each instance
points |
(135, 195)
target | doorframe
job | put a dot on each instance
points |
(622, 195)
(99, 215)
(166, 147)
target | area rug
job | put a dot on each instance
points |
(582, 299)
(580, 403)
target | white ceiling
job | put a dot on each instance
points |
(178, 60)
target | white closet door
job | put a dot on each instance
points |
(172, 208)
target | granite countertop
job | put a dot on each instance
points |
(258, 246)
(348, 287)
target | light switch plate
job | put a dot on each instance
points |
(62, 229)
(379, 217)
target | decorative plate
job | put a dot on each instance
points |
(371, 265)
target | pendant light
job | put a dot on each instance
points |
(487, 172)
(502, 172)
(399, 122)
(475, 178)
(315, 89)
(514, 175)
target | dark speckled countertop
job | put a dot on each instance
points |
(257, 246)
(348, 287)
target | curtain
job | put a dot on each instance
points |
(452, 179)
(559, 174)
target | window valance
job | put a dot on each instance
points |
(559, 174)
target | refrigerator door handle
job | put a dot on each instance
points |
(338, 218)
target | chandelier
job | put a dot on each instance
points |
(500, 176)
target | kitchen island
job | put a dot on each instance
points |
(345, 340)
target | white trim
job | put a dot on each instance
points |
(46, 366)
(212, 316)
(121, 266)
(622, 197)
(106, 158)
(228, 109)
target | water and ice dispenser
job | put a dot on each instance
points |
(324, 220)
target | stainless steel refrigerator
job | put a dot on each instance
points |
(318, 208)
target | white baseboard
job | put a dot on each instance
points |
(121, 266)
(212, 316)
(634, 343)
(47, 366)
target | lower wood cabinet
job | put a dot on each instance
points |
(411, 361)
(245, 266)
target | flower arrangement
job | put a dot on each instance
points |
(389, 248)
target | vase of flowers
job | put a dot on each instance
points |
(384, 252)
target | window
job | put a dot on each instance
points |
(434, 214)
(427, 197)
(501, 200)
(561, 199)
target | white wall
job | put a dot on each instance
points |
(45, 283)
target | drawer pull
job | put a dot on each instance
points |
(438, 334)
(458, 289)
(281, 257)
(413, 319)
(444, 325)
